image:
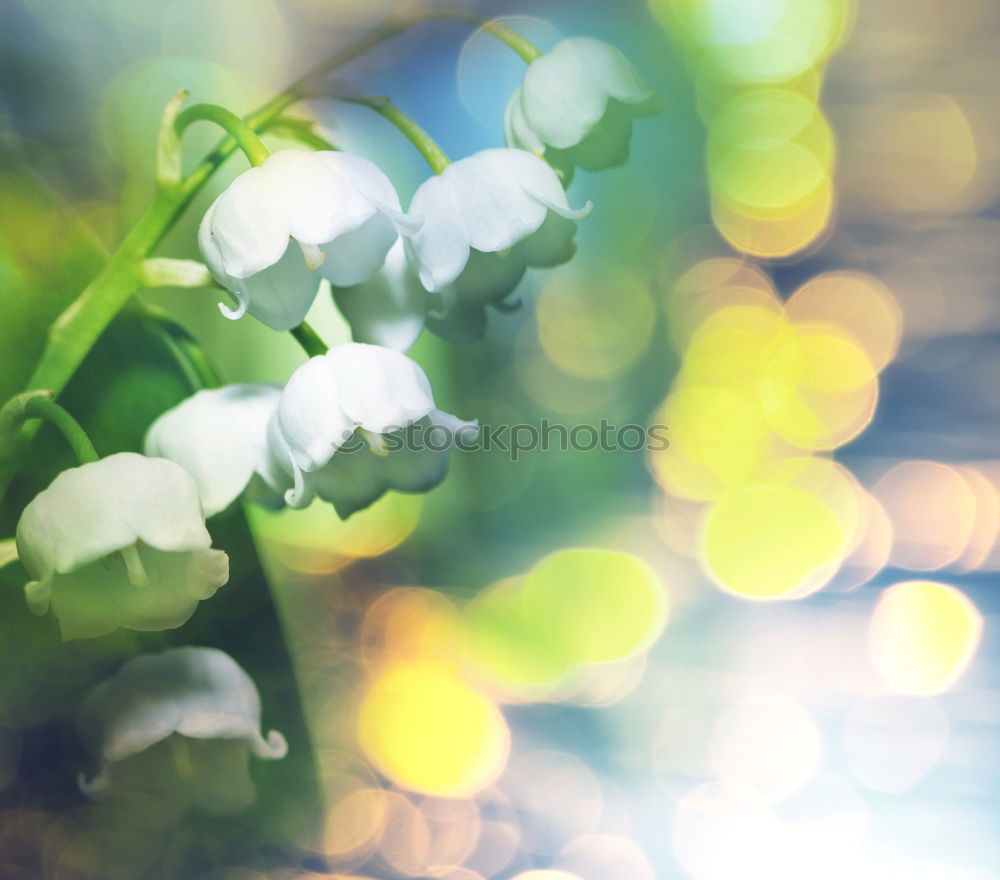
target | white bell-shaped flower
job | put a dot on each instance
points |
(390, 308)
(278, 227)
(576, 105)
(119, 542)
(191, 715)
(393, 307)
(219, 436)
(353, 387)
(486, 218)
(413, 459)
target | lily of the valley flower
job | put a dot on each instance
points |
(390, 308)
(576, 105)
(412, 459)
(119, 542)
(219, 437)
(191, 714)
(353, 387)
(278, 227)
(486, 218)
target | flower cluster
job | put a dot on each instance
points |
(472, 230)
(122, 541)
(280, 446)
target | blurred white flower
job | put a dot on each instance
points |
(119, 542)
(278, 227)
(389, 309)
(486, 218)
(219, 437)
(353, 387)
(188, 718)
(576, 105)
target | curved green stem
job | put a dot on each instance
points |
(245, 137)
(524, 47)
(40, 405)
(309, 339)
(427, 146)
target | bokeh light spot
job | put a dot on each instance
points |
(923, 636)
(595, 326)
(604, 605)
(768, 744)
(932, 510)
(428, 731)
(766, 542)
(316, 540)
(859, 304)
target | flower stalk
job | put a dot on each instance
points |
(425, 144)
(311, 342)
(40, 405)
(246, 138)
(522, 46)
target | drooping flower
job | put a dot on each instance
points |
(486, 219)
(278, 227)
(412, 459)
(119, 542)
(365, 388)
(576, 105)
(219, 436)
(188, 718)
(390, 308)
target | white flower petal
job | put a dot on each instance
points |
(488, 202)
(565, 92)
(334, 205)
(198, 693)
(380, 389)
(98, 598)
(366, 178)
(219, 437)
(357, 255)
(280, 295)
(119, 542)
(517, 132)
(352, 481)
(352, 386)
(312, 422)
(440, 249)
(389, 309)
(96, 509)
(249, 223)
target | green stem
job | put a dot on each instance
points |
(40, 405)
(525, 48)
(245, 137)
(309, 339)
(427, 146)
(301, 130)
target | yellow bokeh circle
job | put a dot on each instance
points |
(428, 731)
(923, 636)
